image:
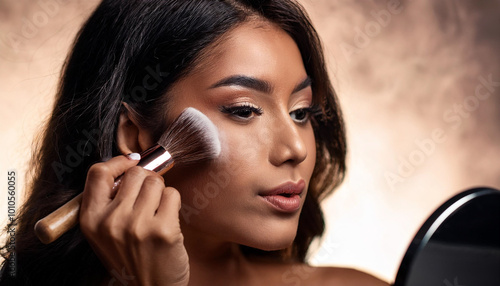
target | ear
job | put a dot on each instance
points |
(130, 137)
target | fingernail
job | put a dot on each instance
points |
(134, 156)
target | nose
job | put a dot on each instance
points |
(287, 144)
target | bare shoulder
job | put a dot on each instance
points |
(300, 274)
(347, 276)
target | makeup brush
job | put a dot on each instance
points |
(191, 138)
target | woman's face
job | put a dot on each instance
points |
(253, 86)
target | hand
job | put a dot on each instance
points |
(135, 230)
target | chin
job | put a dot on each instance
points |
(273, 240)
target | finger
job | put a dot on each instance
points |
(148, 199)
(131, 184)
(170, 204)
(101, 177)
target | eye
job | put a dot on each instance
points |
(302, 115)
(242, 112)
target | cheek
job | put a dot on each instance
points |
(240, 147)
(237, 166)
(310, 142)
(244, 151)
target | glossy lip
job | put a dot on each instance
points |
(286, 197)
(289, 188)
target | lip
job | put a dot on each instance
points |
(285, 197)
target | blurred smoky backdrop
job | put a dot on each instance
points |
(418, 81)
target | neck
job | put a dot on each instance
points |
(212, 261)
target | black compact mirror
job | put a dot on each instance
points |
(458, 245)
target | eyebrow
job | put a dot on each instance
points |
(256, 84)
(305, 83)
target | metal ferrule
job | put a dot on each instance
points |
(156, 159)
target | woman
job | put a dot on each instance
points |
(256, 69)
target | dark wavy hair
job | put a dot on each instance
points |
(133, 51)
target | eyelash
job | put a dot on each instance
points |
(241, 111)
(248, 111)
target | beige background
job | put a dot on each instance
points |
(422, 123)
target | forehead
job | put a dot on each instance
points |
(253, 48)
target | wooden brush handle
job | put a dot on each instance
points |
(63, 219)
(51, 227)
(58, 222)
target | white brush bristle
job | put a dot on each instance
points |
(192, 137)
(208, 131)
